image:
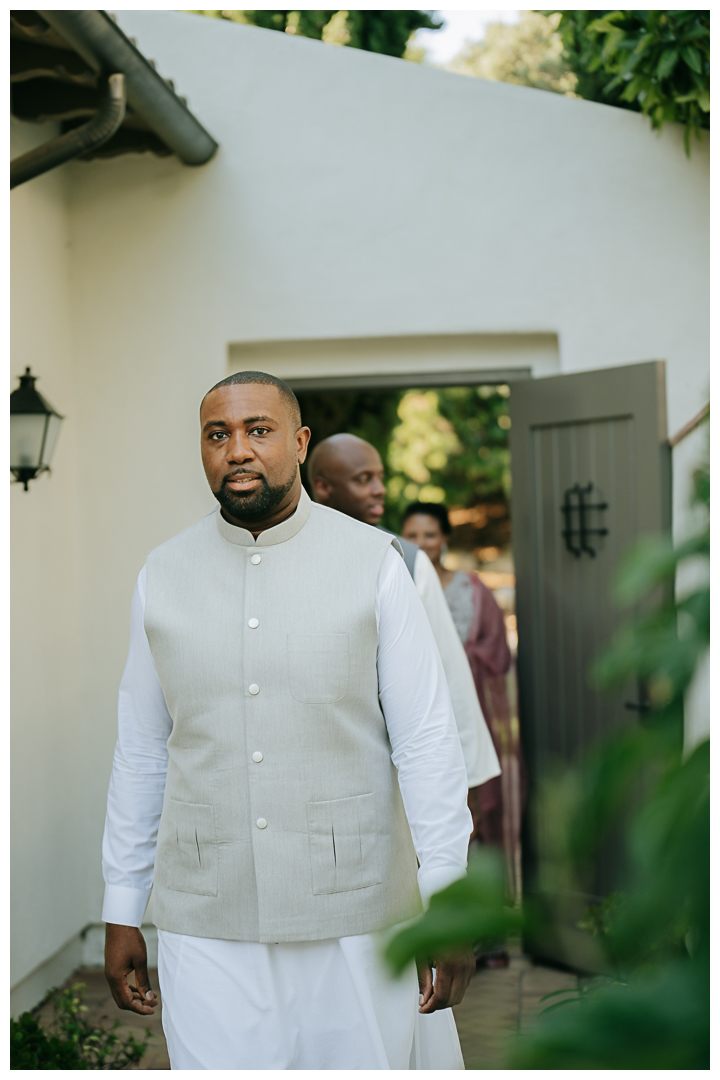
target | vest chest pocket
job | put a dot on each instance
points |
(343, 844)
(318, 667)
(190, 849)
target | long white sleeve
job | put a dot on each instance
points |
(416, 704)
(426, 749)
(137, 783)
(480, 758)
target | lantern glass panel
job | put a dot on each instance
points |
(26, 439)
(53, 430)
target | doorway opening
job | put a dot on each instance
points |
(449, 444)
(442, 444)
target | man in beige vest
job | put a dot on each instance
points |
(288, 778)
(346, 473)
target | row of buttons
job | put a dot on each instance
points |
(253, 688)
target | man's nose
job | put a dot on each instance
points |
(238, 449)
(378, 488)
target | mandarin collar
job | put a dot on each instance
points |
(278, 534)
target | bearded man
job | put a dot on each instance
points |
(346, 473)
(287, 755)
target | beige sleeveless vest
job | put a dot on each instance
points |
(282, 818)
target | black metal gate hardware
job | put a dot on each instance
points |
(638, 706)
(643, 704)
(574, 503)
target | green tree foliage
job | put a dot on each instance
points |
(385, 32)
(528, 53)
(304, 23)
(652, 1010)
(654, 62)
(451, 446)
(71, 1041)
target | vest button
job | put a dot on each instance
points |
(255, 559)
(253, 688)
(261, 823)
(253, 623)
(257, 756)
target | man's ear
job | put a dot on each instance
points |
(321, 489)
(302, 438)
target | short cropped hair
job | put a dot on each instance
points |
(263, 379)
(436, 510)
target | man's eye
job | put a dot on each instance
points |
(217, 435)
(259, 431)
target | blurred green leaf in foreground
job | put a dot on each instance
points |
(651, 1010)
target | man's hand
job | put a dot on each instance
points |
(452, 975)
(125, 952)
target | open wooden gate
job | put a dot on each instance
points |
(591, 472)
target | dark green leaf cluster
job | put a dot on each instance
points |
(309, 23)
(662, 647)
(32, 1048)
(654, 62)
(71, 1041)
(385, 32)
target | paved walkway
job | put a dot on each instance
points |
(498, 1004)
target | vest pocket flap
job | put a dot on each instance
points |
(318, 667)
(343, 844)
(191, 848)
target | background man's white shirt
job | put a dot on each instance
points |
(481, 760)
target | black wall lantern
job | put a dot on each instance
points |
(34, 428)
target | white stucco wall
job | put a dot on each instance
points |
(357, 195)
(354, 196)
(49, 852)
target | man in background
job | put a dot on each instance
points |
(346, 473)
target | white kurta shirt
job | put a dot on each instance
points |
(427, 753)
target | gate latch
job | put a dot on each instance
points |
(576, 538)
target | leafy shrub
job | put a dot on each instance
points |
(71, 1041)
(32, 1048)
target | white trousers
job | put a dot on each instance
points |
(310, 1005)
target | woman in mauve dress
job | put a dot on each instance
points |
(496, 806)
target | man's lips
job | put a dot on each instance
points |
(241, 482)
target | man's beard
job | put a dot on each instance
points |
(257, 504)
